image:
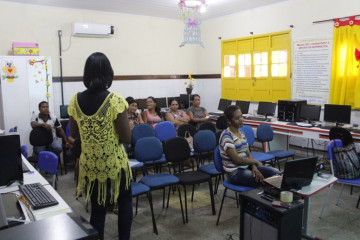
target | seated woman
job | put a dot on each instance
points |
(177, 117)
(242, 169)
(152, 114)
(196, 113)
(133, 117)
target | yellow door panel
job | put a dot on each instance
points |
(229, 47)
(261, 95)
(280, 40)
(243, 94)
(261, 43)
(245, 45)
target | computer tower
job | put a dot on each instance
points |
(260, 220)
(289, 110)
(10, 159)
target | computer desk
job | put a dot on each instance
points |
(318, 184)
(33, 177)
(282, 132)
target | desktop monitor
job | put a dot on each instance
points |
(337, 113)
(223, 104)
(141, 102)
(244, 106)
(266, 108)
(169, 99)
(185, 101)
(161, 102)
(10, 159)
(298, 173)
(310, 112)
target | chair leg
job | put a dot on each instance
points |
(181, 205)
(192, 194)
(357, 205)
(186, 213)
(54, 182)
(326, 200)
(221, 205)
(338, 198)
(168, 198)
(148, 194)
(212, 197)
(163, 197)
(136, 206)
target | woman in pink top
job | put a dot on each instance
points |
(152, 115)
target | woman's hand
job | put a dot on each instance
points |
(257, 174)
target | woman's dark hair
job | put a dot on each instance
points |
(157, 109)
(174, 99)
(193, 96)
(98, 73)
(131, 100)
(229, 111)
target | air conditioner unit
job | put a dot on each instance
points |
(92, 30)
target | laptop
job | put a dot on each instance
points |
(297, 174)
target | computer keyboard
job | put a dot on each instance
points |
(256, 118)
(37, 196)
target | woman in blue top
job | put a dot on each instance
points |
(242, 169)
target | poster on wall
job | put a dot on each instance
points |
(312, 70)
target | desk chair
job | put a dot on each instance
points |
(138, 189)
(250, 137)
(24, 151)
(227, 185)
(39, 137)
(48, 162)
(177, 151)
(352, 182)
(208, 126)
(150, 149)
(164, 131)
(186, 127)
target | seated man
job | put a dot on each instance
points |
(50, 123)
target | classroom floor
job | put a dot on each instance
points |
(338, 222)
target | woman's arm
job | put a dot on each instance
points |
(74, 129)
(144, 117)
(123, 128)
(235, 158)
(192, 119)
(140, 119)
(185, 118)
(169, 117)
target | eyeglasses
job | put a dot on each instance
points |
(150, 101)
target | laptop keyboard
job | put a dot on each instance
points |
(37, 195)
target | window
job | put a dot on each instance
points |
(279, 63)
(261, 64)
(229, 66)
(244, 65)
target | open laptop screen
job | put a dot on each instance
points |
(298, 173)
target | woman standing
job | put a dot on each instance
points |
(99, 119)
(152, 114)
(196, 113)
(177, 117)
(242, 169)
(133, 117)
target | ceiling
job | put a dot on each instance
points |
(155, 8)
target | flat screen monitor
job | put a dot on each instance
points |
(142, 103)
(169, 99)
(161, 102)
(298, 173)
(310, 112)
(185, 101)
(223, 104)
(337, 113)
(10, 159)
(266, 108)
(244, 106)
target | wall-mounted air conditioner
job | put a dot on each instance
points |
(92, 30)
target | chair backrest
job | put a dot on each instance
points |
(249, 134)
(39, 136)
(217, 137)
(208, 126)
(140, 131)
(24, 151)
(148, 149)
(204, 141)
(221, 123)
(186, 127)
(176, 150)
(341, 133)
(218, 160)
(165, 131)
(331, 145)
(264, 133)
(48, 161)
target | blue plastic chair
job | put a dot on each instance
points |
(138, 189)
(48, 162)
(204, 145)
(250, 137)
(150, 149)
(24, 151)
(140, 131)
(265, 134)
(165, 131)
(227, 185)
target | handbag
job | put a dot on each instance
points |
(190, 140)
(346, 162)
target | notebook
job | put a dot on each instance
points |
(297, 174)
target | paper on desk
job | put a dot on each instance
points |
(301, 124)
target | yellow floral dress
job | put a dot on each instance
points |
(102, 155)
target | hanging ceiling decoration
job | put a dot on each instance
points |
(191, 11)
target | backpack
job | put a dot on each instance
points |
(40, 136)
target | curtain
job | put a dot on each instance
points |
(345, 76)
